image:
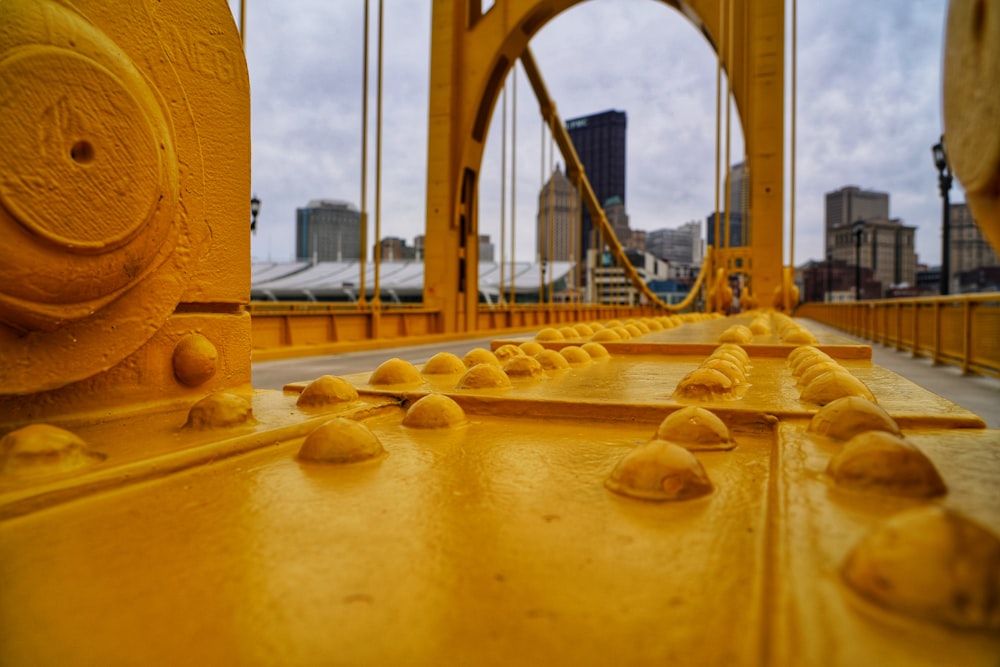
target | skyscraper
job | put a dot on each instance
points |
(739, 210)
(556, 215)
(850, 204)
(328, 230)
(599, 140)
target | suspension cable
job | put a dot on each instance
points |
(377, 298)
(539, 237)
(791, 250)
(363, 251)
(729, 105)
(503, 193)
(718, 129)
(513, 184)
(551, 217)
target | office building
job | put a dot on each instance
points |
(739, 210)
(328, 230)
(886, 247)
(557, 212)
(850, 204)
(599, 140)
(677, 246)
(970, 251)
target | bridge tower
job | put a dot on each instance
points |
(471, 54)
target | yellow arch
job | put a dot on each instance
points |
(471, 54)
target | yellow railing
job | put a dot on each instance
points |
(962, 330)
(284, 329)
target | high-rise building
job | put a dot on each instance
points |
(328, 230)
(969, 248)
(599, 140)
(886, 245)
(738, 210)
(557, 204)
(677, 246)
(850, 204)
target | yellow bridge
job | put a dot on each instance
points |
(603, 484)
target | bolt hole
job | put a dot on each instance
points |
(82, 152)
(978, 20)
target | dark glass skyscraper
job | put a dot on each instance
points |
(599, 140)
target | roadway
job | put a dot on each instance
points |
(979, 394)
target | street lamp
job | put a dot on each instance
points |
(254, 210)
(859, 229)
(944, 182)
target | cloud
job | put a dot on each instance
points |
(868, 111)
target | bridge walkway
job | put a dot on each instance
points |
(978, 394)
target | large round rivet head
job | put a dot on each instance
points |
(41, 449)
(327, 390)
(434, 411)
(695, 428)
(220, 411)
(395, 372)
(341, 441)
(659, 470)
(484, 376)
(846, 417)
(933, 564)
(195, 359)
(444, 363)
(881, 462)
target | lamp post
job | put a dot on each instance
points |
(944, 182)
(829, 275)
(254, 210)
(859, 229)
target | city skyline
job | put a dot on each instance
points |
(868, 112)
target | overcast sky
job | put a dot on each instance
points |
(868, 112)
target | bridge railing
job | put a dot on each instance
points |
(962, 330)
(287, 329)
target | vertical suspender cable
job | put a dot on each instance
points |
(718, 134)
(791, 215)
(539, 229)
(513, 182)
(729, 106)
(551, 217)
(243, 24)
(503, 194)
(377, 298)
(363, 251)
(574, 251)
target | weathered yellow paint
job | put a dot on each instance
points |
(616, 491)
(471, 54)
(488, 525)
(971, 99)
(123, 194)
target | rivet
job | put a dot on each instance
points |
(434, 411)
(846, 417)
(696, 429)
(395, 372)
(523, 367)
(596, 350)
(41, 449)
(484, 376)
(505, 352)
(220, 411)
(575, 355)
(327, 390)
(831, 385)
(930, 563)
(194, 359)
(480, 355)
(704, 384)
(659, 470)
(548, 335)
(884, 463)
(444, 363)
(341, 441)
(531, 348)
(552, 360)
(738, 333)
